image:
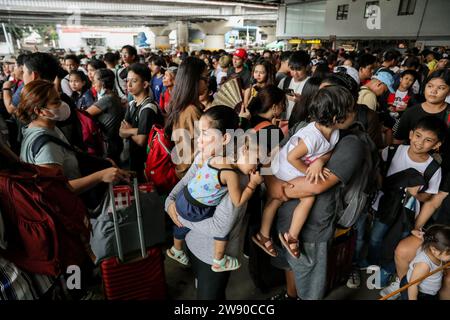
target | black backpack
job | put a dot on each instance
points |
(356, 196)
(392, 203)
(352, 199)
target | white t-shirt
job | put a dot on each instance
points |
(220, 75)
(401, 161)
(416, 87)
(297, 87)
(433, 283)
(316, 144)
(399, 96)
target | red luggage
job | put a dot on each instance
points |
(140, 278)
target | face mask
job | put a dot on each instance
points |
(60, 114)
(101, 93)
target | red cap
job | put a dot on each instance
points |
(241, 53)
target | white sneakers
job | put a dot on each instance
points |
(354, 279)
(395, 285)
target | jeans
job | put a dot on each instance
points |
(360, 228)
(379, 230)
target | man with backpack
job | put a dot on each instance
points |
(306, 276)
(140, 116)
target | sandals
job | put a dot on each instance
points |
(294, 251)
(226, 264)
(178, 255)
(265, 244)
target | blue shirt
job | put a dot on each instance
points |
(157, 87)
(16, 96)
(205, 187)
(85, 100)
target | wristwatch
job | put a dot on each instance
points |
(6, 89)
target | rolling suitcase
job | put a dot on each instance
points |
(140, 278)
(340, 258)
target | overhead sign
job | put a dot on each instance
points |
(93, 35)
(303, 41)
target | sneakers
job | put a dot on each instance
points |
(354, 279)
(283, 296)
(395, 285)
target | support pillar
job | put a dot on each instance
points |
(182, 35)
(214, 34)
(270, 33)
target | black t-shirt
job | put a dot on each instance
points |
(143, 120)
(245, 76)
(409, 120)
(111, 116)
(345, 162)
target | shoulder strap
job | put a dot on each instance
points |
(148, 105)
(429, 173)
(362, 116)
(118, 82)
(287, 82)
(392, 150)
(219, 171)
(262, 125)
(43, 139)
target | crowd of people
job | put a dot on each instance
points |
(312, 106)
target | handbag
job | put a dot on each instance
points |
(103, 241)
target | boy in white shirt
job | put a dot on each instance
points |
(293, 84)
(427, 135)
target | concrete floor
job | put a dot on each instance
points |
(180, 281)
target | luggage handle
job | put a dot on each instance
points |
(138, 216)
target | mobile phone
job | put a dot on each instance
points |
(289, 92)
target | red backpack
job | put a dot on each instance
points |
(44, 220)
(159, 167)
(92, 135)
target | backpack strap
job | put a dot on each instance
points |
(118, 82)
(148, 105)
(392, 150)
(429, 173)
(362, 119)
(43, 139)
(287, 82)
(262, 125)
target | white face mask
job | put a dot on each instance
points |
(60, 114)
(101, 93)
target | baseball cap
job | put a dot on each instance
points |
(241, 53)
(352, 72)
(386, 78)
